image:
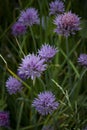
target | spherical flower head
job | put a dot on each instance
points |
(13, 85)
(45, 103)
(47, 52)
(32, 66)
(18, 29)
(56, 7)
(29, 17)
(67, 23)
(82, 60)
(4, 119)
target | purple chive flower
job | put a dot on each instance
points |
(13, 85)
(82, 60)
(67, 23)
(4, 119)
(29, 17)
(56, 7)
(31, 67)
(47, 52)
(45, 103)
(18, 29)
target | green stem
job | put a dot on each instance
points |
(3, 60)
(67, 47)
(3, 88)
(69, 70)
(58, 46)
(19, 47)
(20, 115)
(33, 39)
(34, 81)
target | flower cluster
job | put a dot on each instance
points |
(18, 28)
(82, 59)
(4, 119)
(13, 85)
(67, 23)
(31, 67)
(56, 7)
(27, 18)
(45, 103)
(47, 52)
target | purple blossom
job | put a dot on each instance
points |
(82, 60)
(4, 119)
(47, 52)
(56, 7)
(29, 17)
(45, 103)
(13, 85)
(18, 29)
(31, 67)
(67, 23)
